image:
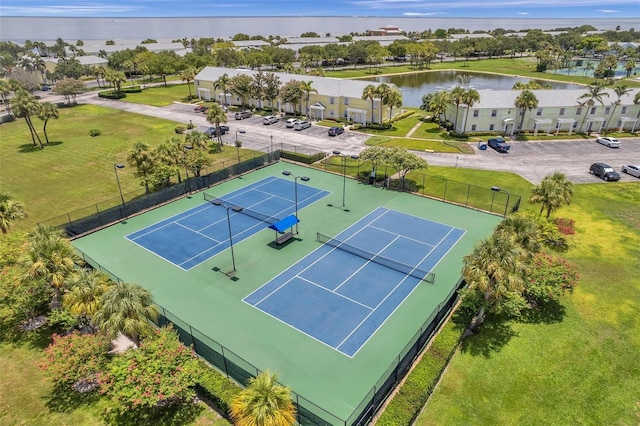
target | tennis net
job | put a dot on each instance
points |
(381, 260)
(239, 209)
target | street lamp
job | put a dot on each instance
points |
(238, 143)
(295, 185)
(239, 131)
(237, 209)
(187, 187)
(344, 172)
(115, 169)
(498, 189)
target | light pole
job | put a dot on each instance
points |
(238, 143)
(187, 187)
(344, 172)
(498, 189)
(237, 209)
(295, 186)
(271, 157)
(115, 169)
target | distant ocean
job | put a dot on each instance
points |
(19, 29)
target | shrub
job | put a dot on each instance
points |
(133, 89)
(302, 158)
(94, 132)
(565, 226)
(112, 95)
(180, 129)
(216, 387)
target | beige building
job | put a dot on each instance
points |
(337, 99)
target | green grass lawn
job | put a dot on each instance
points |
(161, 96)
(579, 365)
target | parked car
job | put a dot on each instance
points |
(336, 130)
(631, 169)
(301, 125)
(201, 108)
(212, 131)
(240, 115)
(291, 122)
(270, 120)
(610, 142)
(499, 144)
(604, 171)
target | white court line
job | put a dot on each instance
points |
(337, 294)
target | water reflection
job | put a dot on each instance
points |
(416, 85)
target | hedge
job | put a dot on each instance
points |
(405, 406)
(112, 95)
(217, 388)
(302, 158)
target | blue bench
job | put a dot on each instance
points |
(281, 227)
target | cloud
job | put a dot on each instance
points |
(608, 11)
(424, 13)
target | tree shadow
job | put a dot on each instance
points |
(550, 312)
(54, 143)
(29, 147)
(491, 337)
(174, 415)
(63, 399)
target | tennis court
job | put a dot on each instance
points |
(375, 265)
(194, 236)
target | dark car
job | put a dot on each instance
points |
(335, 131)
(212, 131)
(201, 108)
(499, 144)
(604, 171)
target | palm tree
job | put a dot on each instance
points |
(470, 97)
(188, 75)
(383, 93)
(86, 288)
(457, 97)
(215, 116)
(47, 112)
(11, 210)
(636, 101)
(553, 192)
(307, 90)
(263, 403)
(141, 157)
(394, 100)
(126, 308)
(222, 83)
(116, 78)
(25, 105)
(524, 230)
(589, 99)
(439, 103)
(370, 92)
(495, 268)
(5, 91)
(527, 100)
(620, 91)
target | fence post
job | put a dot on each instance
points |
(444, 194)
(466, 203)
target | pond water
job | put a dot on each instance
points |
(414, 86)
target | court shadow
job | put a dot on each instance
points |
(491, 337)
(231, 274)
(276, 246)
(343, 208)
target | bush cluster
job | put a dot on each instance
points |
(565, 225)
(302, 158)
(94, 132)
(217, 388)
(112, 95)
(133, 89)
(180, 129)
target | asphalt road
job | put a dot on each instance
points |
(531, 160)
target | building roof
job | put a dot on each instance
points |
(546, 98)
(251, 43)
(327, 86)
(312, 40)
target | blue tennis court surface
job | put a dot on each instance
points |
(193, 236)
(340, 298)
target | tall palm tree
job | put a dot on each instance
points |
(215, 116)
(222, 83)
(383, 92)
(595, 94)
(495, 268)
(263, 403)
(553, 192)
(307, 90)
(524, 230)
(636, 101)
(86, 288)
(620, 91)
(11, 210)
(439, 103)
(394, 100)
(5, 91)
(457, 98)
(188, 75)
(142, 159)
(126, 308)
(25, 105)
(47, 111)
(526, 101)
(471, 96)
(370, 92)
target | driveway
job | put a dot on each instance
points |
(531, 160)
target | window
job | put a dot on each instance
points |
(491, 126)
(346, 101)
(593, 110)
(624, 110)
(561, 111)
(331, 101)
(578, 110)
(331, 113)
(539, 111)
(473, 128)
(607, 110)
(494, 112)
(476, 113)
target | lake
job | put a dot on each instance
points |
(414, 86)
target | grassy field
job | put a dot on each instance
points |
(578, 365)
(161, 96)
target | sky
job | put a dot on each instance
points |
(607, 9)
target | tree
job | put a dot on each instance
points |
(553, 192)
(222, 83)
(549, 278)
(494, 273)
(216, 115)
(271, 87)
(126, 308)
(370, 92)
(264, 402)
(11, 210)
(524, 230)
(25, 105)
(620, 91)
(471, 96)
(291, 93)
(307, 90)
(141, 158)
(376, 154)
(595, 94)
(188, 75)
(116, 78)
(394, 100)
(76, 360)
(69, 88)
(162, 372)
(85, 290)
(457, 98)
(47, 112)
(404, 161)
(437, 104)
(526, 101)
(383, 91)
(241, 85)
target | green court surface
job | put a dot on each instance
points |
(210, 302)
